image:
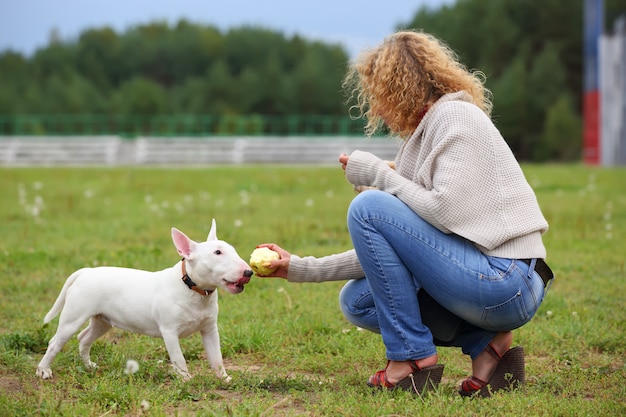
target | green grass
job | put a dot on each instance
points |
(287, 346)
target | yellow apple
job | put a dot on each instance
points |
(260, 261)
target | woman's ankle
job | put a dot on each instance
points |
(484, 365)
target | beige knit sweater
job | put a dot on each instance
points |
(456, 172)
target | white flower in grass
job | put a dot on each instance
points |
(549, 313)
(238, 223)
(132, 366)
(244, 197)
(145, 405)
(309, 202)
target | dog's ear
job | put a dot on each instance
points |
(212, 232)
(183, 244)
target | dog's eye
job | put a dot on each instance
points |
(218, 252)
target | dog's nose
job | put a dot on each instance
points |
(248, 273)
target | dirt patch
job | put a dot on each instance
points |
(10, 385)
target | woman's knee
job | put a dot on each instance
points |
(349, 296)
(367, 201)
(357, 305)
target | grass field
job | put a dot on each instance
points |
(288, 348)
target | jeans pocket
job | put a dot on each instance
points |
(508, 315)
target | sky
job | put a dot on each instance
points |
(25, 25)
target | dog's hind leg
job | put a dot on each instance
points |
(64, 332)
(96, 328)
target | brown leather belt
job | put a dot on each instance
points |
(541, 268)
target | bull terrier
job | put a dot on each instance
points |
(173, 303)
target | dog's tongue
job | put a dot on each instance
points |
(243, 281)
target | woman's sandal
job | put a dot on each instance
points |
(509, 374)
(418, 382)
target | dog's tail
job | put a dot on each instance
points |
(60, 302)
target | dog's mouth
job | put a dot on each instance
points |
(237, 287)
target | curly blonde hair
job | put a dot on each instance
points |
(395, 82)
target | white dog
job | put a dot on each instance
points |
(171, 304)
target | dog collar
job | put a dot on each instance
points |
(192, 285)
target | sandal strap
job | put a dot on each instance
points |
(493, 352)
(414, 366)
(379, 379)
(472, 384)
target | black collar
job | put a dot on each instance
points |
(192, 285)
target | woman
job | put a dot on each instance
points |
(456, 219)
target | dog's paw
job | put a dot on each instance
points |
(44, 373)
(91, 365)
(227, 378)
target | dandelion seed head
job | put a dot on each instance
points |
(244, 197)
(145, 405)
(132, 366)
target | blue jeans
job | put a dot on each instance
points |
(401, 253)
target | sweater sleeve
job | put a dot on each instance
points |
(337, 267)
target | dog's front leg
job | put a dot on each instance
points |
(211, 342)
(172, 344)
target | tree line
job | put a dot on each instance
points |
(530, 50)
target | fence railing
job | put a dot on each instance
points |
(185, 151)
(178, 125)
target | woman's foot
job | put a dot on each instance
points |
(416, 376)
(497, 367)
(398, 370)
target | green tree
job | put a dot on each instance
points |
(562, 137)
(139, 96)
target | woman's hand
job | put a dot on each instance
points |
(281, 264)
(343, 159)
